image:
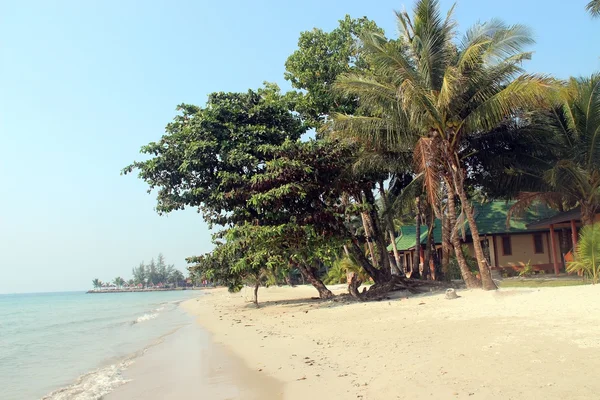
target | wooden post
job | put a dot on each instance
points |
(553, 242)
(574, 236)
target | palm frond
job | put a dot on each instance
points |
(593, 7)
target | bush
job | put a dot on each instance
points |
(337, 273)
(454, 269)
(587, 256)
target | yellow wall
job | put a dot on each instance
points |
(522, 251)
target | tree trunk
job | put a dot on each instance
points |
(359, 257)
(446, 247)
(391, 230)
(427, 270)
(368, 237)
(588, 213)
(415, 273)
(484, 269)
(467, 276)
(308, 272)
(288, 280)
(256, 286)
(378, 234)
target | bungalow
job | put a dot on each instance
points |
(506, 244)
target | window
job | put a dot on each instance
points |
(538, 243)
(506, 246)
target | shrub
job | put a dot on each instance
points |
(587, 256)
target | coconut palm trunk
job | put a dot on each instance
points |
(368, 237)
(484, 269)
(467, 276)
(415, 273)
(446, 246)
(390, 229)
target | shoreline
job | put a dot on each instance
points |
(186, 364)
(94, 291)
(511, 343)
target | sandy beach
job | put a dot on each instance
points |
(509, 344)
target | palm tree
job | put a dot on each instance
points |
(593, 7)
(588, 253)
(97, 283)
(571, 174)
(425, 84)
(118, 281)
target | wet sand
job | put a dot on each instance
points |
(188, 365)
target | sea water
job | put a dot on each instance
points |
(76, 345)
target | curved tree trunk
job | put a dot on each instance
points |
(377, 274)
(415, 273)
(378, 234)
(390, 229)
(309, 274)
(467, 276)
(369, 237)
(484, 269)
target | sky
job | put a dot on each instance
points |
(84, 84)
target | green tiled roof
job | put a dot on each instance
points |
(490, 218)
(406, 236)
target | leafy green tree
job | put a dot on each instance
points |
(175, 276)
(131, 282)
(588, 253)
(593, 7)
(97, 283)
(315, 65)
(151, 273)
(207, 153)
(570, 174)
(118, 281)
(139, 274)
(445, 92)
(162, 272)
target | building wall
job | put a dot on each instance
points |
(523, 251)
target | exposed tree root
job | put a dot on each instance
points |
(381, 291)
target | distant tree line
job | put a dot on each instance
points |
(155, 273)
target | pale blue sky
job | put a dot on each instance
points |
(83, 84)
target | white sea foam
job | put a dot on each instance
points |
(146, 317)
(93, 385)
(160, 309)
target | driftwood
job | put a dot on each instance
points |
(397, 282)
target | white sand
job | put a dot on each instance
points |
(509, 344)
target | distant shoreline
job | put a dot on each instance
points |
(145, 290)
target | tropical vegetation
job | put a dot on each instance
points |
(587, 259)
(154, 274)
(408, 130)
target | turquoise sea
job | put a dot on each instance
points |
(76, 345)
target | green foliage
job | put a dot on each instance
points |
(341, 266)
(454, 269)
(527, 270)
(593, 7)
(208, 153)
(320, 58)
(118, 281)
(97, 283)
(569, 175)
(587, 258)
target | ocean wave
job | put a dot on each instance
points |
(159, 309)
(93, 385)
(145, 317)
